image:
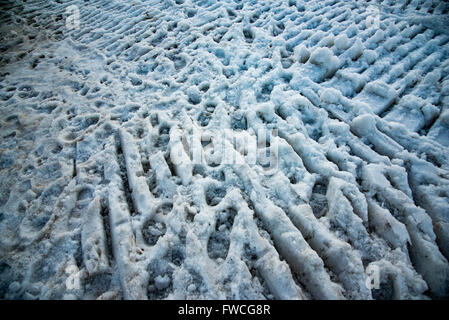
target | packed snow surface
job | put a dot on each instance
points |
(130, 162)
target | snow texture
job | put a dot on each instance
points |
(114, 179)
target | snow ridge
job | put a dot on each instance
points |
(133, 151)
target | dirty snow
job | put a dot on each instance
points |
(131, 165)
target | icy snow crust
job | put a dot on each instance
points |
(92, 204)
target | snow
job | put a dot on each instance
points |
(224, 150)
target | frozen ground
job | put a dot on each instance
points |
(102, 192)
